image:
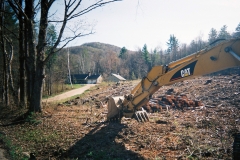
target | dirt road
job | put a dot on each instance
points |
(69, 93)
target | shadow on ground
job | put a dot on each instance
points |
(100, 144)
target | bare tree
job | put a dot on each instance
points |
(22, 75)
(6, 43)
(36, 58)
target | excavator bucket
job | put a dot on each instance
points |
(114, 111)
(113, 108)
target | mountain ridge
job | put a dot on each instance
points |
(94, 48)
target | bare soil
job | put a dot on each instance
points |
(77, 129)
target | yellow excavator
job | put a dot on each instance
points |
(215, 57)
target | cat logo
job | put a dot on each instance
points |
(185, 72)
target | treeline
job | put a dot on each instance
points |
(104, 59)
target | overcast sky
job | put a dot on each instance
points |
(133, 23)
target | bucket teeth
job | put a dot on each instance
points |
(141, 116)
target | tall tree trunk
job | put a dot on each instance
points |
(69, 73)
(50, 81)
(31, 51)
(27, 67)
(22, 79)
(38, 67)
(9, 56)
(48, 85)
(5, 75)
(1, 49)
(36, 98)
(5, 81)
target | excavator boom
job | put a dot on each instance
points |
(211, 59)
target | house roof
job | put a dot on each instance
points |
(93, 76)
(84, 76)
(79, 76)
(118, 77)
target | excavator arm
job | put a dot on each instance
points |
(211, 59)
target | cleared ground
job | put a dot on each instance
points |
(78, 127)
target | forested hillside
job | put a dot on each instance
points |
(90, 57)
(104, 59)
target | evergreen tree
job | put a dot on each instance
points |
(146, 56)
(223, 34)
(237, 33)
(123, 53)
(145, 53)
(172, 47)
(238, 27)
(155, 58)
(212, 36)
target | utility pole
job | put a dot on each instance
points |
(69, 74)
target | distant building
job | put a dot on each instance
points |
(86, 78)
(115, 78)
